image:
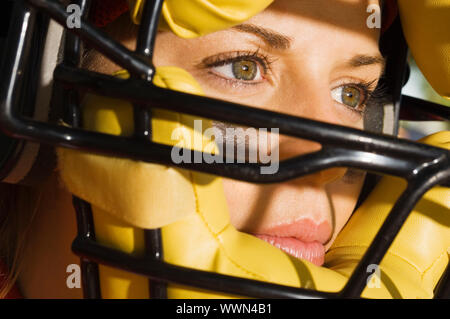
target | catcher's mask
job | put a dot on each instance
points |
(40, 110)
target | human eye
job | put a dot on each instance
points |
(243, 67)
(245, 70)
(353, 95)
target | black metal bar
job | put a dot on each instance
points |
(155, 97)
(72, 116)
(394, 45)
(149, 28)
(154, 249)
(400, 63)
(97, 39)
(142, 127)
(89, 269)
(72, 57)
(168, 273)
(415, 109)
(144, 48)
(11, 149)
(389, 230)
(73, 45)
(158, 153)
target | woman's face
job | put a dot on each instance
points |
(310, 58)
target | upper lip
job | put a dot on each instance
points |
(305, 230)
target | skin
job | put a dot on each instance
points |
(323, 37)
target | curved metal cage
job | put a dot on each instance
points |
(422, 166)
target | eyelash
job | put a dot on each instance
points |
(369, 94)
(256, 56)
(373, 96)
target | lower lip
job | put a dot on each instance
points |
(311, 251)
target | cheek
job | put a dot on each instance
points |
(344, 196)
(243, 201)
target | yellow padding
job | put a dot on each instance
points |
(426, 24)
(193, 18)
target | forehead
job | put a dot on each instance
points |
(299, 17)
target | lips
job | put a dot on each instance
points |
(303, 239)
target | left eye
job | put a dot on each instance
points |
(245, 70)
(348, 95)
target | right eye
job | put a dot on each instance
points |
(242, 69)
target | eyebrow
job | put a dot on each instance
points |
(274, 39)
(364, 60)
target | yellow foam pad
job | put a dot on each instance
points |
(426, 25)
(193, 18)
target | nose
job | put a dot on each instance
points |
(309, 97)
